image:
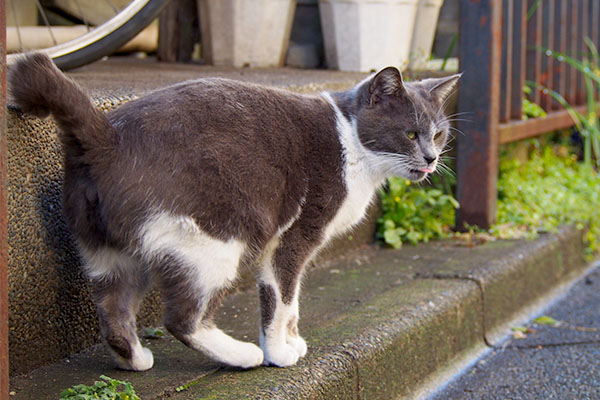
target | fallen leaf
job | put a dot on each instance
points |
(153, 333)
(519, 335)
(522, 329)
(546, 320)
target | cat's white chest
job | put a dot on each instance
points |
(359, 181)
(360, 191)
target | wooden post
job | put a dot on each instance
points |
(3, 214)
(479, 97)
(178, 31)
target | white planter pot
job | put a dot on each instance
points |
(241, 33)
(424, 32)
(367, 35)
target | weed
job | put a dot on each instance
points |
(545, 192)
(106, 389)
(414, 214)
(588, 123)
(531, 109)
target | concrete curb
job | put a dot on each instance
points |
(378, 324)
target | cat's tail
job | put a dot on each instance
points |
(39, 88)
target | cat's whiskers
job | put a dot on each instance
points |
(445, 168)
(369, 142)
(457, 130)
(457, 114)
(445, 151)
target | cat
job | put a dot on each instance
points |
(182, 185)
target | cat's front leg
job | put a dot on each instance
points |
(279, 339)
(279, 289)
(294, 339)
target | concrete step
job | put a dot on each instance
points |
(379, 323)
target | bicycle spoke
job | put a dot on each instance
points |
(14, 11)
(45, 17)
(112, 5)
(89, 45)
(87, 26)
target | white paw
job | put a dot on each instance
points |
(298, 344)
(223, 348)
(246, 355)
(142, 360)
(281, 356)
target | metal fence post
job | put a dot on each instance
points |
(479, 97)
(3, 214)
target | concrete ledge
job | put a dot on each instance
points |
(378, 322)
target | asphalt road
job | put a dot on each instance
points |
(554, 361)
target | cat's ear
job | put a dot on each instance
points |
(387, 82)
(441, 88)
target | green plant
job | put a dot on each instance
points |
(106, 389)
(414, 214)
(547, 191)
(587, 124)
(530, 109)
(182, 388)
(449, 51)
(153, 333)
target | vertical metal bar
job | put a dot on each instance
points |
(593, 28)
(582, 33)
(534, 54)
(547, 77)
(560, 35)
(479, 94)
(593, 21)
(507, 60)
(3, 213)
(572, 28)
(518, 62)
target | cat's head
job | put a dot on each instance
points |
(402, 124)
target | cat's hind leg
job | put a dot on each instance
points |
(196, 271)
(118, 285)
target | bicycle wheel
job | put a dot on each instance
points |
(106, 38)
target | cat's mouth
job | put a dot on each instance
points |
(416, 174)
(422, 171)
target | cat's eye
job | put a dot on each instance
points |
(437, 135)
(411, 135)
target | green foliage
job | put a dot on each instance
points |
(414, 214)
(449, 51)
(530, 109)
(182, 388)
(107, 389)
(587, 123)
(153, 333)
(546, 192)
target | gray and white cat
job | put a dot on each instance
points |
(182, 185)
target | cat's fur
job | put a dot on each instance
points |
(184, 183)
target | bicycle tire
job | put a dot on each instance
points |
(106, 38)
